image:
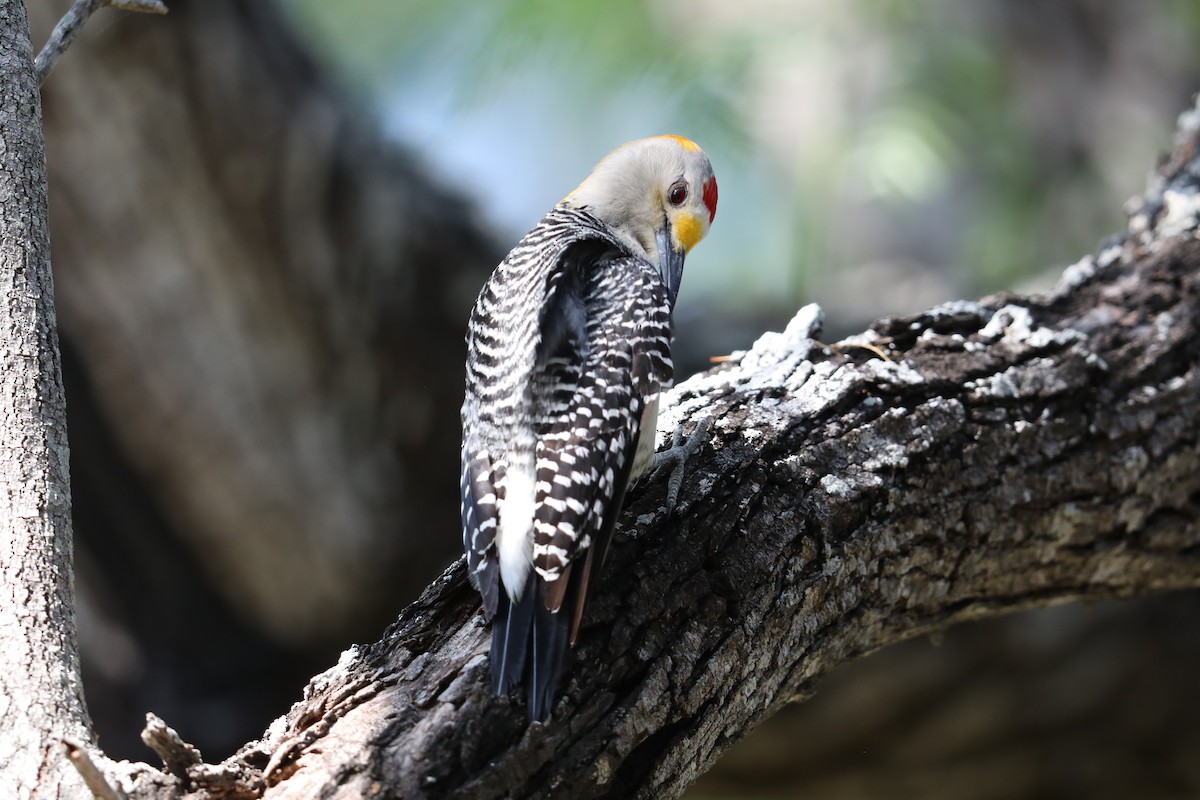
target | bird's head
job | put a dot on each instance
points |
(659, 195)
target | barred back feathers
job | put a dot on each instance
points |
(568, 350)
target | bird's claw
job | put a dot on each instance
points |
(675, 457)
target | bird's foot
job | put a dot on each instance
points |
(675, 458)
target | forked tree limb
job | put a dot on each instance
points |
(72, 22)
(1007, 454)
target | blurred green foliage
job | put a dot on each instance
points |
(595, 47)
(874, 155)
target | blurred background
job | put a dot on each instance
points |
(876, 156)
(270, 219)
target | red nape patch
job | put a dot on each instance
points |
(710, 198)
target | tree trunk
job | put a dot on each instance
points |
(974, 460)
(41, 694)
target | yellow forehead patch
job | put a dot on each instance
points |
(686, 144)
(689, 229)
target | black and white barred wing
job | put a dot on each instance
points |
(505, 388)
(479, 519)
(585, 454)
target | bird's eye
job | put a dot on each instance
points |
(678, 194)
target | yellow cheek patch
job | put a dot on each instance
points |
(689, 229)
(686, 144)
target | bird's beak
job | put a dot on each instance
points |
(670, 263)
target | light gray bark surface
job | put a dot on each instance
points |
(1007, 454)
(41, 695)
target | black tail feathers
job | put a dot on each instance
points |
(510, 642)
(529, 645)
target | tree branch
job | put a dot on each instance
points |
(93, 778)
(72, 22)
(1012, 453)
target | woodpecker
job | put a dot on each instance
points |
(568, 350)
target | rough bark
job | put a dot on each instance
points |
(974, 460)
(41, 694)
